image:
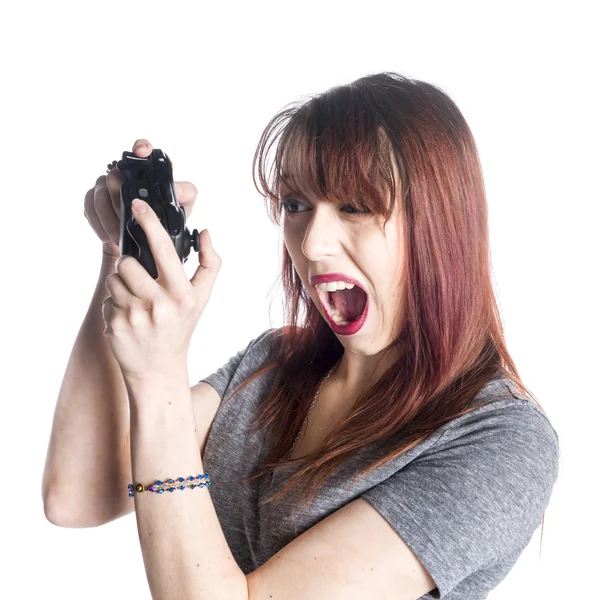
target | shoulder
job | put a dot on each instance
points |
(242, 364)
(478, 490)
(505, 414)
(509, 433)
(266, 340)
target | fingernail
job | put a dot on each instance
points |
(138, 206)
(139, 145)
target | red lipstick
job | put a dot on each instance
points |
(352, 327)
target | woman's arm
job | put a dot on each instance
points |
(88, 462)
(183, 545)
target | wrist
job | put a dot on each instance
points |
(146, 394)
(164, 381)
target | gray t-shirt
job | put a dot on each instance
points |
(467, 500)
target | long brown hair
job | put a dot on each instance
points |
(344, 144)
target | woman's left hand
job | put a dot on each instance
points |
(149, 323)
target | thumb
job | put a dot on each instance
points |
(210, 264)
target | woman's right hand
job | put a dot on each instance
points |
(102, 206)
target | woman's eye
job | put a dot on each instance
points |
(355, 211)
(285, 205)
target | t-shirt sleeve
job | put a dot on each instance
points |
(477, 494)
(222, 377)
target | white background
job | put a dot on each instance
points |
(83, 80)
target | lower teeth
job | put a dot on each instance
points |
(338, 319)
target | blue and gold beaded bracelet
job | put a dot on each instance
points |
(160, 486)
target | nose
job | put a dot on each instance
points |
(322, 234)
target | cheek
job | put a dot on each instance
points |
(291, 246)
(292, 238)
(295, 253)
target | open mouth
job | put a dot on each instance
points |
(346, 309)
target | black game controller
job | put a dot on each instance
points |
(150, 178)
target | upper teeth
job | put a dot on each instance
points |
(332, 286)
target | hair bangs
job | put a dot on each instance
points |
(333, 149)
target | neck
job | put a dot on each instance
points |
(358, 372)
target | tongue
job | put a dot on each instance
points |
(350, 303)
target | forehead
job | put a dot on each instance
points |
(284, 174)
(284, 188)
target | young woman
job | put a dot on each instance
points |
(381, 444)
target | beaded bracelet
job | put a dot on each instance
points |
(161, 487)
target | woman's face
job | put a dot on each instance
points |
(324, 238)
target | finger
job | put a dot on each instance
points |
(108, 308)
(105, 210)
(136, 280)
(114, 179)
(90, 214)
(142, 147)
(168, 265)
(119, 290)
(186, 193)
(210, 264)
